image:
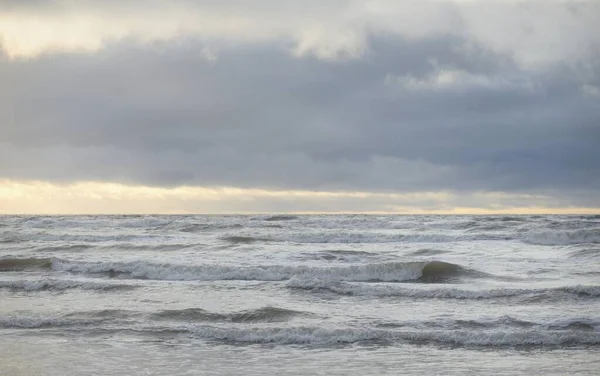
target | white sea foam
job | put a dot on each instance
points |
(391, 271)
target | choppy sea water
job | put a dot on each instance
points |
(299, 295)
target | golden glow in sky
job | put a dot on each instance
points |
(36, 197)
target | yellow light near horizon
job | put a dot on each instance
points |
(38, 197)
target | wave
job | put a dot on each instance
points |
(357, 237)
(576, 324)
(91, 237)
(8, 237)
(277, 218)
(65, 248)
(148, 247)
(60, 285)
(111, 314)
(505, 219)
(339, 255)
(501, 332)
(74, 319)
(242, 239)
(431, 271)
(564, 237)
(24, 322)
(264, 314)
(380, 290)
(427, 252)
(325, 336)
(22, 264)
(204, 227)
(504, 322)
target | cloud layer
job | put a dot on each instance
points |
(372, 96)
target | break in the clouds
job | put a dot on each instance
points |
(383, 97)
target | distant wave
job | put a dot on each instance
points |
(278, 218)
(95, 238)
(430, 271)
(69, 320)
(109, 314)
(242, 239)
(148, 247)
(33, 322)
(367, 237)
(339, 255)
(60, 285)
(505, 219)
(64, 248)
(427, 252)
(204, 227)
(378, 290)
(264, 314)
(563, 237)
(120, 246)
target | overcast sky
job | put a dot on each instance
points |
(281, 105)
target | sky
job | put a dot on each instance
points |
(252, 106)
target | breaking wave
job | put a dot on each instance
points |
(431, 271)
(325, 336)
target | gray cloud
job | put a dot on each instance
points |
(441, 111)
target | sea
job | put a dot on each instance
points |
(299, 295)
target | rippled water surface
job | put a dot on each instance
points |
(293, 295)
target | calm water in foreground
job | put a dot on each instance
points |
(306, 295)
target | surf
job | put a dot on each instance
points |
(413, 271)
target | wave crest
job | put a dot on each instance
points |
(326, 336)
(432, 271)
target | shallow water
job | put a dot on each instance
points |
(347, 295)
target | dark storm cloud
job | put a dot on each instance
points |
(441, 112)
